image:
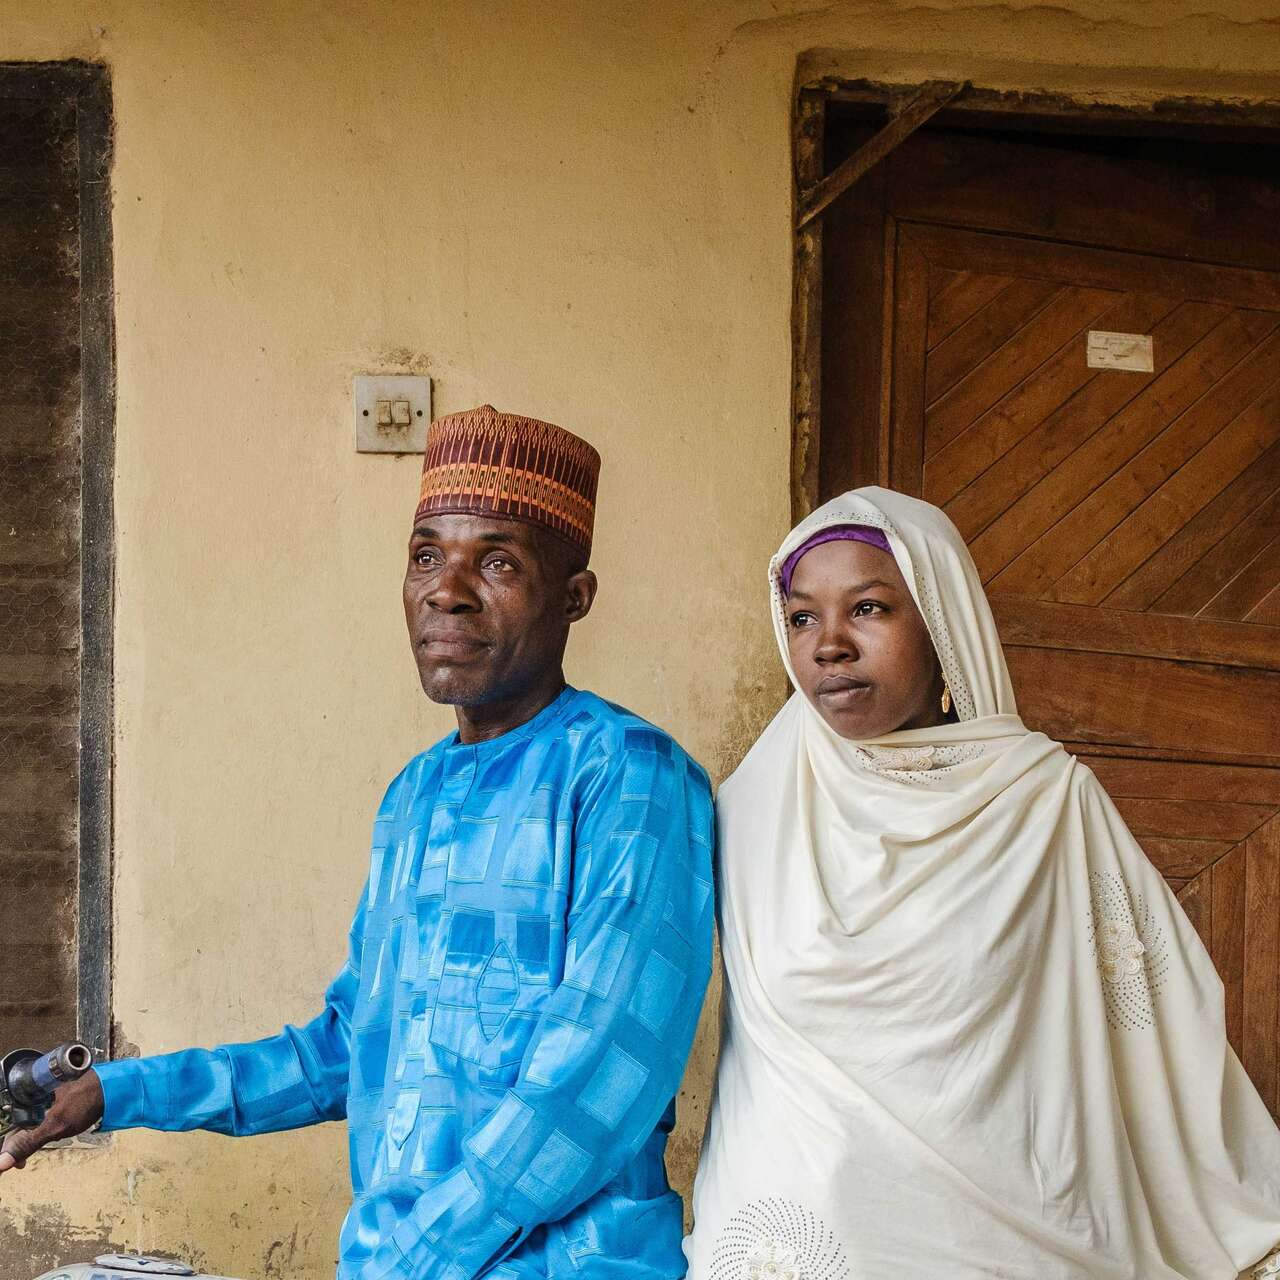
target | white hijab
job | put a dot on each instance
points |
(968, 1032)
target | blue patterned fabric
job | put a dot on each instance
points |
(525, 973)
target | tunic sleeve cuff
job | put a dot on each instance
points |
(124, 1094)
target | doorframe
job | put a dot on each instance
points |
(88, 86)
(1190, 118)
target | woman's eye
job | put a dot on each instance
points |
(865, 608)
(801, 619)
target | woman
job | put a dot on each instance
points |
(969, 1032)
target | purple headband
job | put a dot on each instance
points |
(839, 533)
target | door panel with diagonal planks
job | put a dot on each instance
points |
(1126, 524)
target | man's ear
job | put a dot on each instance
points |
(580, 594)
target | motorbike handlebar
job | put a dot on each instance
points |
(29, 1080)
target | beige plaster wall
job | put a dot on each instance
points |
(579, 210)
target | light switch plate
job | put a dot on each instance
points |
(397, 390)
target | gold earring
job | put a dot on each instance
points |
(946, 699)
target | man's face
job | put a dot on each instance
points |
(489, 603)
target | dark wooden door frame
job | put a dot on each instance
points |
(908, 106)
(88, 87)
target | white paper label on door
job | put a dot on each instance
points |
(1132, 351)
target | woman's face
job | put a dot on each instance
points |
(858, 644)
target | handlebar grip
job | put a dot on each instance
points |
(60, 1066)
(32, 1079)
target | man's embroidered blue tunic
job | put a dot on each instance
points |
(526, 969)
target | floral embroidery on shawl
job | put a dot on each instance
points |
(773, 1260)
(778, 1239)
(1119, 951)
(1132, 952)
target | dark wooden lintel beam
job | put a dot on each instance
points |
(932, 97)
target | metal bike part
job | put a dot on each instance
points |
(29, 1080)
(124, 1266)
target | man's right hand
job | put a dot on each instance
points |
(76, 1108)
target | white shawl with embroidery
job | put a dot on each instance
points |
(969, 1032)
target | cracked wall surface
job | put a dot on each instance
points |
(573, 210)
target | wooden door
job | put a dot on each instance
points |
(1127, 527)
(56, 430)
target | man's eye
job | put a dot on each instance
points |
(498, 562)
(425, 557)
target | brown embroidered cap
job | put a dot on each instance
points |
(518, 468)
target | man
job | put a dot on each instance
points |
(531, 951)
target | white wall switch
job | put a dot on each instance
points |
(392, 412)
